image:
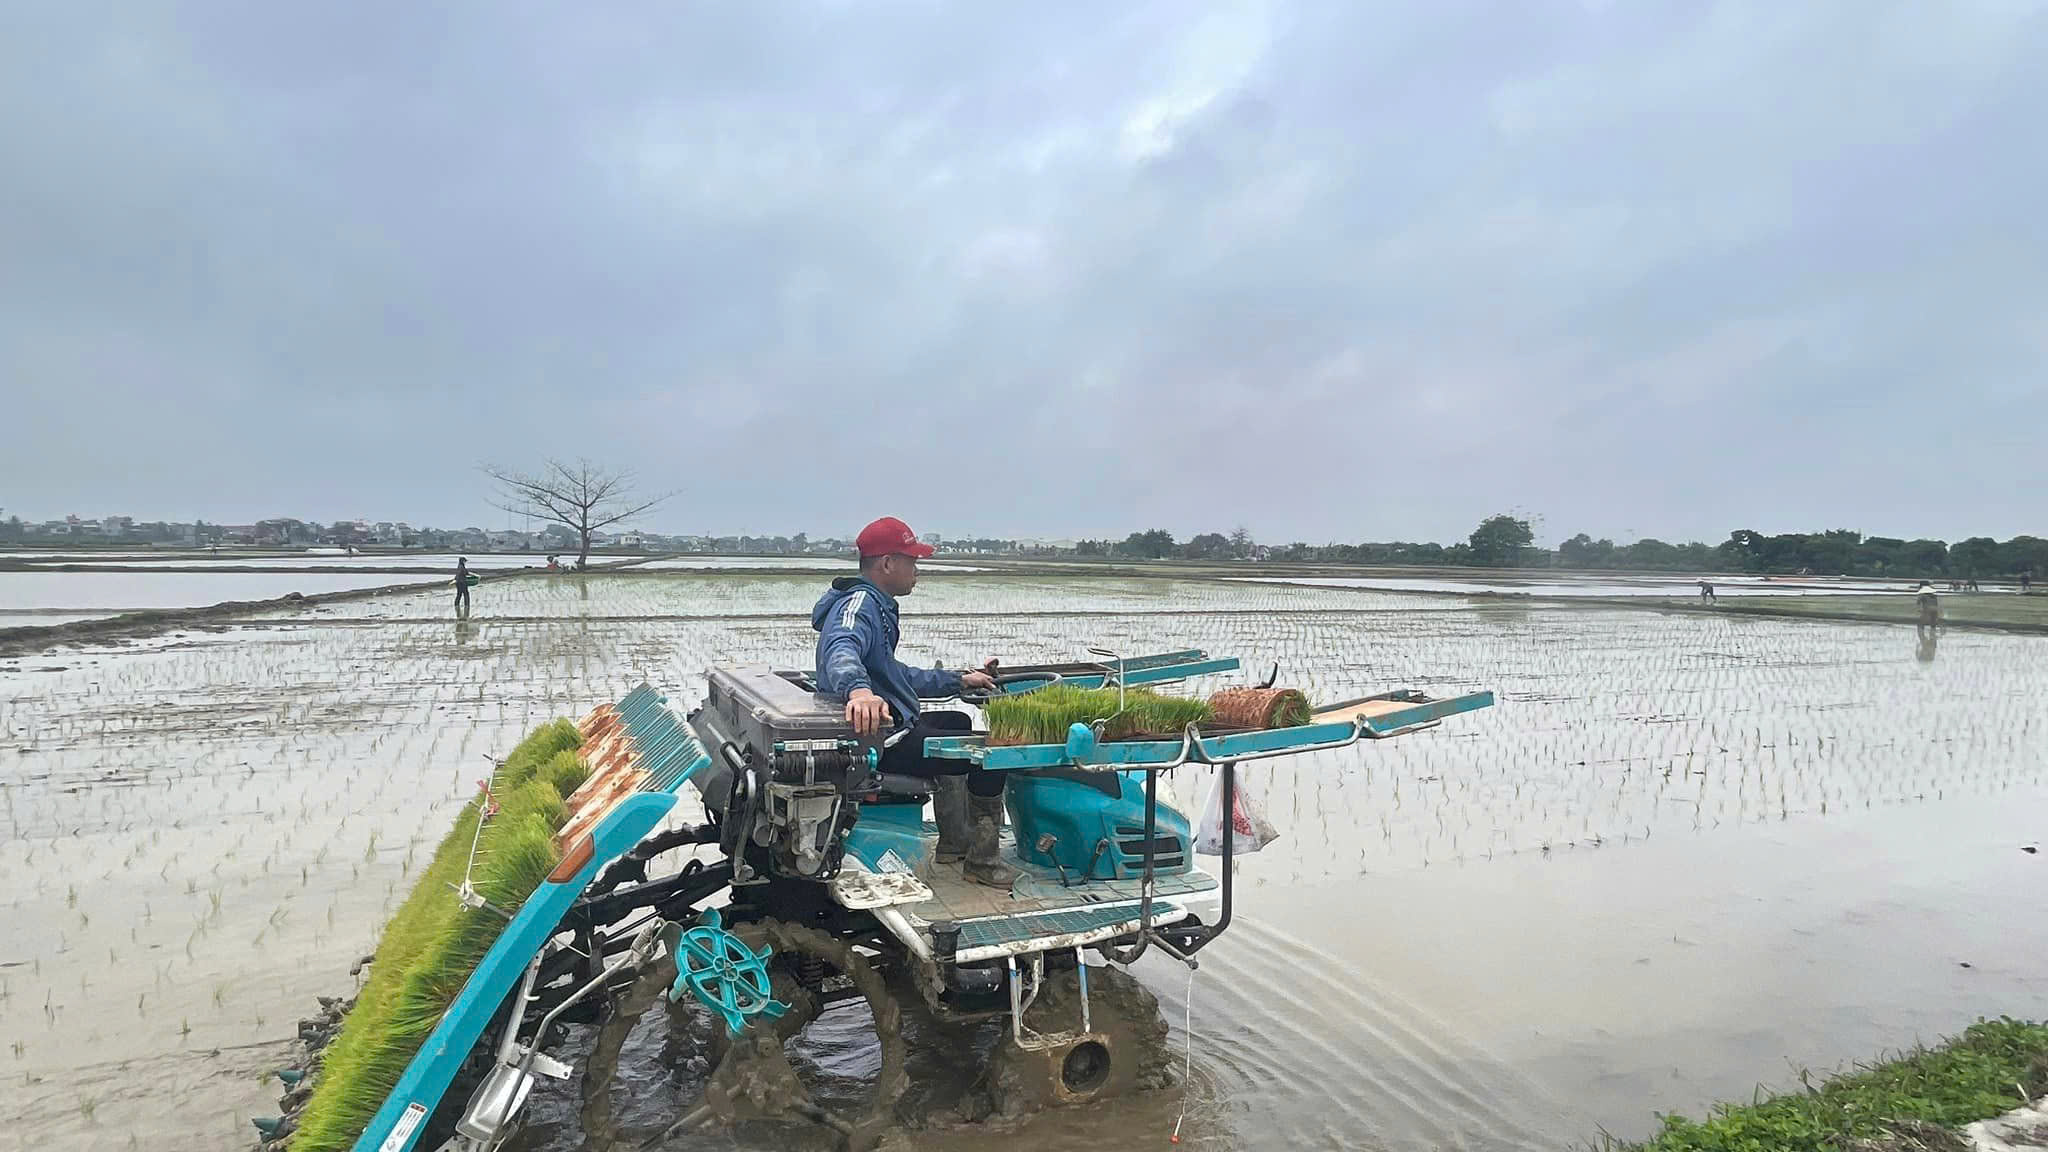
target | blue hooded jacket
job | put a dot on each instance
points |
(857, 633)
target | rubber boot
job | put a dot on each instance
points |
(956, 827)
(984, 864)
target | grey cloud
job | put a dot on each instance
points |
(1330, 270)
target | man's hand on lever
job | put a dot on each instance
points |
(981, 678)
(867, 712)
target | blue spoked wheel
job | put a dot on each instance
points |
(725, 975)
(754, 973)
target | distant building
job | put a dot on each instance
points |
(279, 531)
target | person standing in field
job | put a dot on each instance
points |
(462, 586)
(1930, 605)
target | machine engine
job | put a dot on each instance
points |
(786, 773)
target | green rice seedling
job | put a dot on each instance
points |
(1044, 716)
(432, 943)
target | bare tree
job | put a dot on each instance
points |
(582, 497)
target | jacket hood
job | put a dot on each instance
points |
(841, 588)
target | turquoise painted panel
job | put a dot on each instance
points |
(427, 1078)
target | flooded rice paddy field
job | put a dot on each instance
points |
(112, 592)
(334, 559)
(1682, 855)
(646, 596)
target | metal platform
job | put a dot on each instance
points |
(1037, 912)
(1038, 890)
(1013, 935)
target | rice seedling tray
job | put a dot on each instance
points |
(1369, 718)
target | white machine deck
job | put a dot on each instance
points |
(1038, 914)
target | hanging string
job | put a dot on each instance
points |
(1187, 1029)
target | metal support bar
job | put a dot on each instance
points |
(1129, 956)
(487, 1122)
(689, 886)
(1081, 971)
(1026, 1038)
(508, 1045)
(1019, 1002)
(1211, 932)
(637, 956)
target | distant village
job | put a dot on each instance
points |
(361, 535)
(1499, 542)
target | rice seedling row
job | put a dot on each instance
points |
(205, 832)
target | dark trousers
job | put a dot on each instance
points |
(907, 758)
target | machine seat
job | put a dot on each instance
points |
(898, 789)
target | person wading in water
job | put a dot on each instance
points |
(1930, 606)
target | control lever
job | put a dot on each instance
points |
(1048, 845)
(869, 756)
(1004, 681)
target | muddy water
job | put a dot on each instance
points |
(1603, 985)
(1680, 857)
(1527, 1002)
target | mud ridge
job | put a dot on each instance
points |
(134, 625)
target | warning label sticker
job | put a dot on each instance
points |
(403, 1130)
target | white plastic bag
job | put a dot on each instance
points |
(1251, 830)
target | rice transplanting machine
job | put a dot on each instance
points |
(809, 885)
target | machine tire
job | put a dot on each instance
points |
(792, 941)
(1124, 1052)
(727, 1056)
(600, 1130)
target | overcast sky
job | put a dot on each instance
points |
(1331, 270)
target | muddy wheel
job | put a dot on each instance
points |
(754, 1078)
(1124, 1050)
(600, 1131)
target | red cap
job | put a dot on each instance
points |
(890, 535)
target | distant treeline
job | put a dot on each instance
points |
(1838, 553)
(1506, 542)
